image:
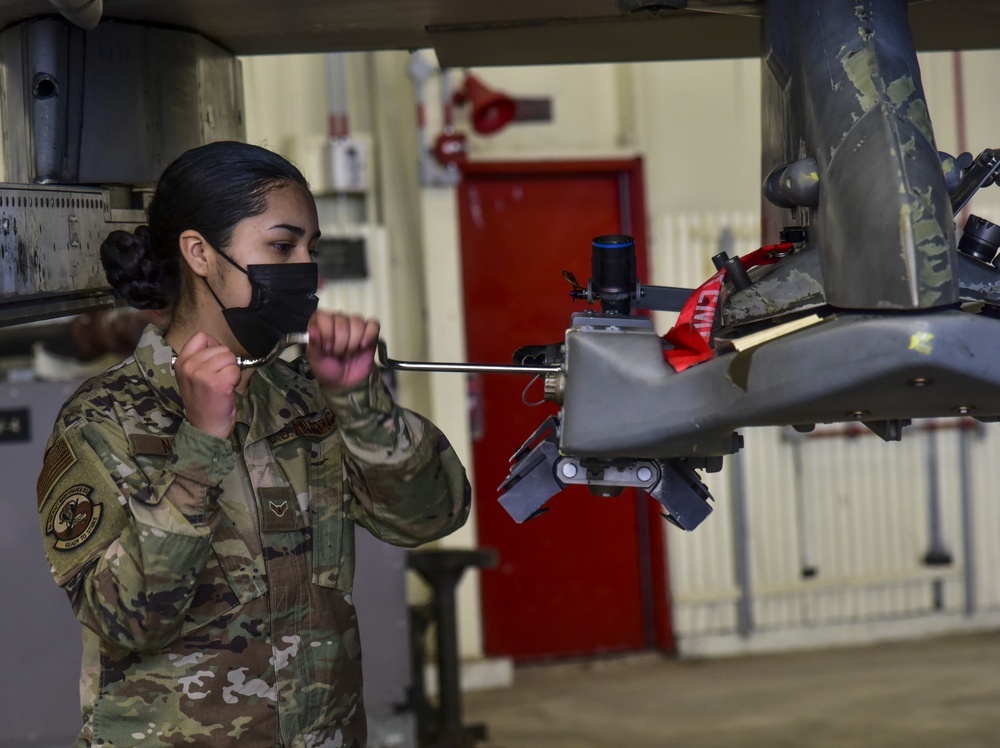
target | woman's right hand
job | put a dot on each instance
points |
(207, 377)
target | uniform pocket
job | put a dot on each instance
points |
(231, 577)
(333, 543)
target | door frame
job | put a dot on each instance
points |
(655, 579)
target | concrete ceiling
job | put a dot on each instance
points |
(510, 32)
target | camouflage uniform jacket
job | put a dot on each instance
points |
(213, 577)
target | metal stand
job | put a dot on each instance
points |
(442, 569)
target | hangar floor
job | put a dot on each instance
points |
(938, 692)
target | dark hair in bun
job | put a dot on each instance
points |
(144, 280)
(208, 189)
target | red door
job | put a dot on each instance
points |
(587, 577)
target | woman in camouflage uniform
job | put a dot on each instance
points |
(199, 515)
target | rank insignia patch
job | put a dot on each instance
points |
(277, 505)
(74, 518)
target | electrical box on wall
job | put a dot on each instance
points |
(342, 258)
(357, 274)
(350, 164)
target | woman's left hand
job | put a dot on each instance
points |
(341, 350)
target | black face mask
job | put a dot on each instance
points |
(283, 298)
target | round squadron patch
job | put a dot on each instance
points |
(74, 518)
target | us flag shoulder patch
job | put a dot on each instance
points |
(58, 460)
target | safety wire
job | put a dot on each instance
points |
(524, 394)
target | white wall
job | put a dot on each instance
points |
(980, 99)
(285, 103)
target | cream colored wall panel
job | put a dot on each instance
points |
(864, 526)
(449, 398)
(986, 516)
(701, 562)
(285, 99)
(681, 246)
(771, 510)
(699, 128)
(937, 71)
(982, 105)
(371, 296)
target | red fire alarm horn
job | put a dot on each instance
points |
(490, 110)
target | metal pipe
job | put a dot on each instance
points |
(389, 363)
(937, 552)
(302, 338)
(447, 103)
(741, 548)
(807, 568)
(420, 72)
(338, 122)
(968, 521)
(791, 588)
(645, 571)
(961, 131)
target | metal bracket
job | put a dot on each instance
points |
(532, 480)
(889, 431)
(681, 492)
(539, 472)
(981, 173)
(600, 473)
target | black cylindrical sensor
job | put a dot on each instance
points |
(612, 272)
(980, 239)
(737, 274)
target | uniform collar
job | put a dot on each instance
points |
(276, 395)
(153, 355)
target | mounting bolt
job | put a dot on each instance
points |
(644, 473)
(920, 382)
(858, 414)
(963, 409)
(568, 470)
